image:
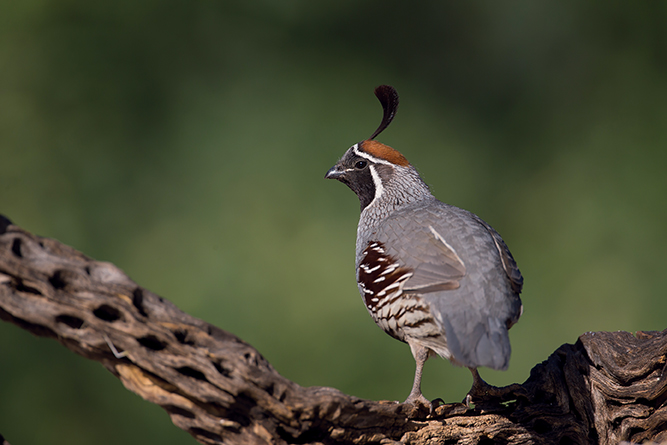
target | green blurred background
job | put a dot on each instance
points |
(187, 142)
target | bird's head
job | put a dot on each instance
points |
(368, 166)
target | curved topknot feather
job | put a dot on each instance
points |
(388, 97)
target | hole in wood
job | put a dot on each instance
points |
(21, 287)
(107, 313)
(191, 372)
(138, 301)
(205, 433)
(152, 342)
(253, 358)
(307, 436)
(541, 426)
(632, 432)
(57, 280)
(16, 247)
(270, 389)
(488, 441)
(567, 440)
(70, 320)
(182, 337)
(173, 409)
(225, 372)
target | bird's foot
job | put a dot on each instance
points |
(483, 393)
(436, 403)
(417, 399)
(420, 404)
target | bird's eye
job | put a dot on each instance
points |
(360, 164)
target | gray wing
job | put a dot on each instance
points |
(509, 265)
(463, 268)
(421, 247)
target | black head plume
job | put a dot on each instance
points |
(388, 97)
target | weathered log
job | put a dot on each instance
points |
(606, 388)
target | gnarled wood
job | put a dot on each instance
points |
(606, 388)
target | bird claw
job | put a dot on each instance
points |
(482, 392)
(419, 403)
(434, 404)
(417, 400)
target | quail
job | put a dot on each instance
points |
(432, 275)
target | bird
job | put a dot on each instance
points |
(432, 275)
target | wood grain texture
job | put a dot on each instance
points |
(606, 388)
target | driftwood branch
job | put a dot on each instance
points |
(606, 388)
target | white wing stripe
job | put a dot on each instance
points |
(442, 240)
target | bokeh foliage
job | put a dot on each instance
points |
(187, 142)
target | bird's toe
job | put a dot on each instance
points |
(418, 399)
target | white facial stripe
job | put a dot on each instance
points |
(355, 149)
(379, 188)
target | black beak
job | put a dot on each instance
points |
(334, 173)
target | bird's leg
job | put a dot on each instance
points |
(421, 354)
(481, 390)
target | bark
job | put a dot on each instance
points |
(606, 388)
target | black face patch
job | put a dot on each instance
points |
(357, 176)
(361, 182)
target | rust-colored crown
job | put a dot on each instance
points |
(381, 151)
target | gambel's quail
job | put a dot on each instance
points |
(432, 275)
